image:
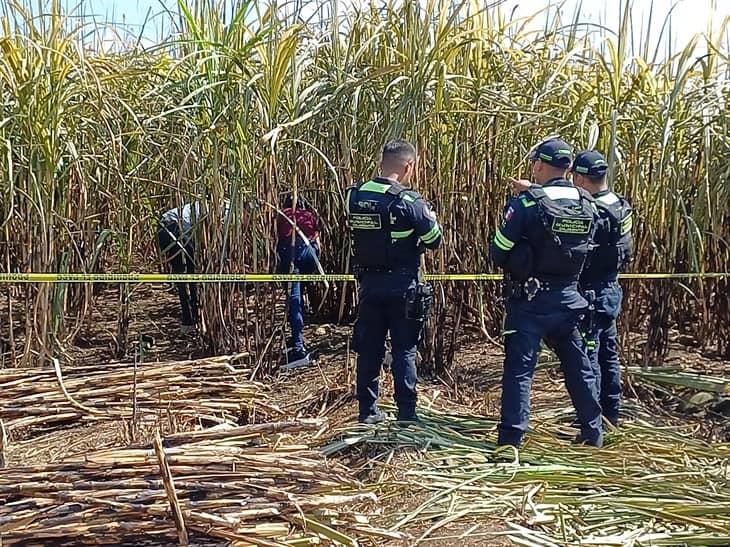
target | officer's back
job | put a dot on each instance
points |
(613, 241)
(542, 245)
(613, 249)
(391, 254)
(391, 227)
(545, 238)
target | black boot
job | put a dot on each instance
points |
(408, 416)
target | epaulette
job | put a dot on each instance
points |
(410, 196)
(395, 189)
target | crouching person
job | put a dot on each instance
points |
(176, 243)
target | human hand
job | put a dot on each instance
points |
(519, 185)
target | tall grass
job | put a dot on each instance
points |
(250, 101)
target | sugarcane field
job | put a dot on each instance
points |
(365, 273)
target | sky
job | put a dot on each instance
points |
(689, 17)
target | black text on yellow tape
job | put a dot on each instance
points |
(274, 278)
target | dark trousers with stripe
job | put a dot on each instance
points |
(527, 323)
(602, 346)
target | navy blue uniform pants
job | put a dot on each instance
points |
(602, 346)
(382, 310)
(179, 255)
(526, 324)
(300, 259)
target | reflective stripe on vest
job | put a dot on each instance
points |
(376, 187)
(608, 199)
(561, 192)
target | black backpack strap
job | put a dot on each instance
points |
(625, 206)
(619, 212)
(351, 192)
(536, 193)
(585, 193)
(395, 190)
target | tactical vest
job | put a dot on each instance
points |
(615, 247)
(567, 225)
(371, 224)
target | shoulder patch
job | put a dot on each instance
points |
(527, 202)
(627, 224)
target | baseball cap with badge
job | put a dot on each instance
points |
(590, 163)
(555, 152)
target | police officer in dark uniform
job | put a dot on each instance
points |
(542, 245)
(391, 227)
(614, 246)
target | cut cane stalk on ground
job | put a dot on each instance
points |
(653, 484)
(245, 484)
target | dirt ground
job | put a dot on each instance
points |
(326, 389)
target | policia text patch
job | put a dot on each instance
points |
(577, 226)
(359, 221)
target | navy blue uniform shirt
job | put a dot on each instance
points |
(603, 265)
(522, 222)
(413, 225)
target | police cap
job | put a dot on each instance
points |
(555, 152)
(590, 163)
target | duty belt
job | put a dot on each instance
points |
(534, 285)
(611, 282)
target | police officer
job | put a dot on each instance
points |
(542, 245)
(391, 227)
(613, 251)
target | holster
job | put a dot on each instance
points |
(419, 302)
(590, 297)
(509, 289)
(512, 288)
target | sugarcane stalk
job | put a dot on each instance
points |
(171, 492)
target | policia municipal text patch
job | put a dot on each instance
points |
(578, 226)
(359, 221)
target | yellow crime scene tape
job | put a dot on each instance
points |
(273, 278)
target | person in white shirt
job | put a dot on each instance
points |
(175, 238)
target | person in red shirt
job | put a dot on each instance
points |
(297, 255)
